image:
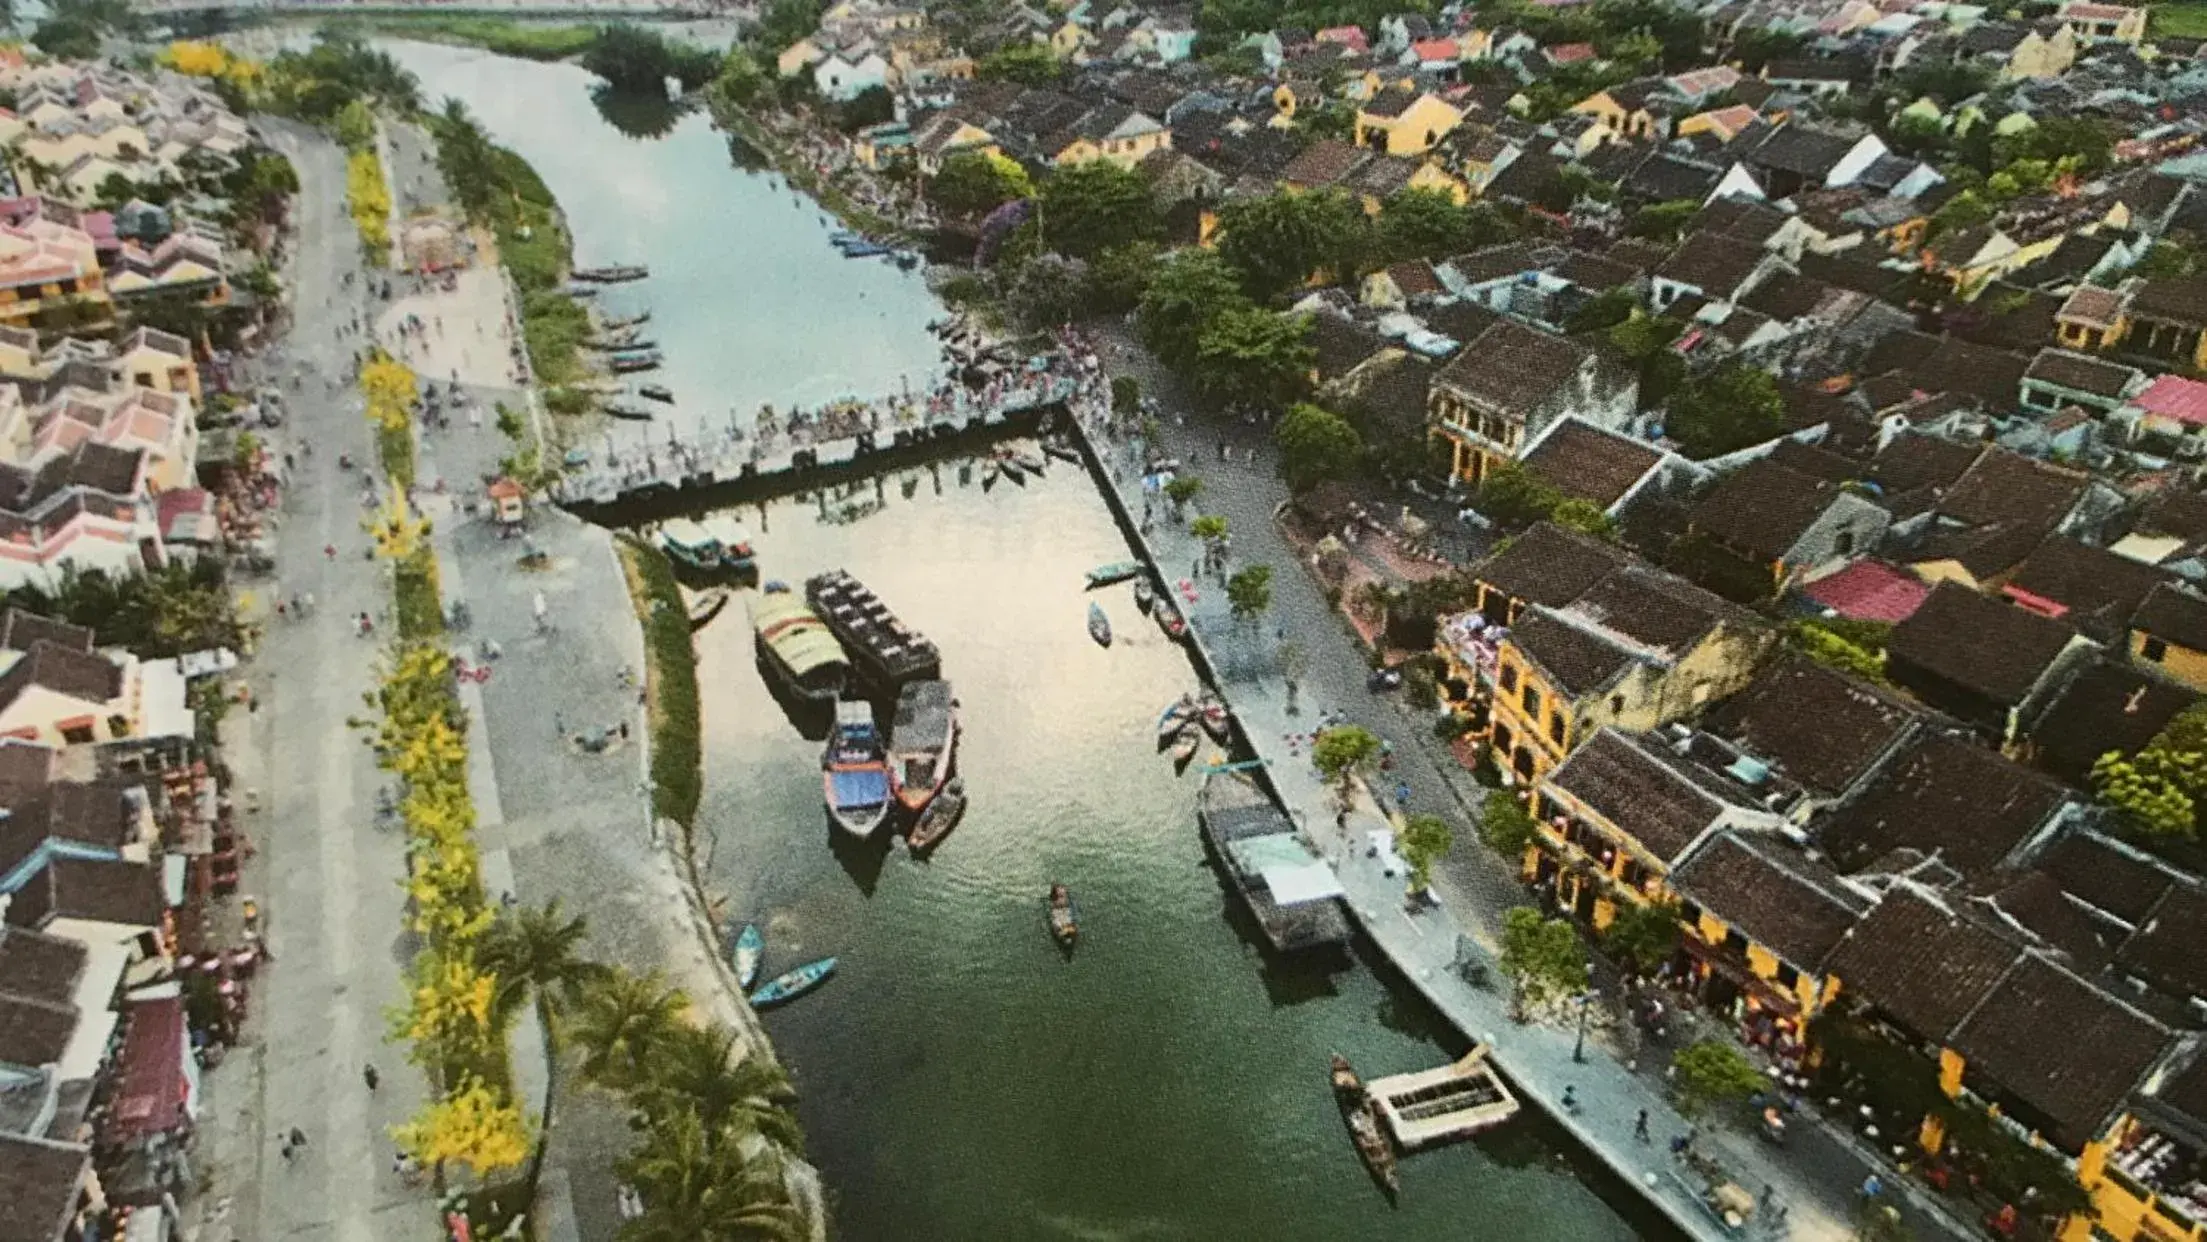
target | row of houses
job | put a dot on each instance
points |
(76, 126)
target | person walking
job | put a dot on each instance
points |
(369, 1076)
(1640, 1126)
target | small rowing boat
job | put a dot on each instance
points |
(613, 274)
(1116, 571)
(1063, 450)
(1011, 469)
(748, 954)
(656, 392)
(1217, 720)
(942, 815)
(1364, 1128)
(1174, 721)
(625, 321)
(1029, 460)
(989, 471)
(1184, 748)
(1145, 594)
(1347, 1087)
(634, 414)
(1169, 618)
(793, 984)
(1064, 922)
(1099, 625)
(703, 612)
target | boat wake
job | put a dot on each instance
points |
(1102, 1231)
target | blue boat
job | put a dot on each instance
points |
(864, 250)
(854, 773)
(748, 954)
(1099, 625)
(790, 986)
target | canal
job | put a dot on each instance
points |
(960, 1079)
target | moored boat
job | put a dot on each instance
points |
(1062, 449)
(884, 650)
(1064, 921)
(747, 955)
(1099, 625)
(942, 815)
(689, 543)
(639, 360)
(612, 274)
(1011, 469)
(1217, 720)
(1183, 747)
(854, 770)
(1175, 721)
(1145, 594)
(989, 471)
(796, 646)
(1347, 1086)
(1029, 460)
(625, 321)
(634, 414)
(735, 542)
(656, 392)
(863, 250)
(1364, 1129)
(703, 612)
(1116, 571)
(792, 984)
(922, 739)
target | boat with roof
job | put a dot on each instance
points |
(797, 649)
(1280, 876)
(922, 739)
(854, 770)
(884, 650)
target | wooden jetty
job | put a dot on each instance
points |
(1438, 1105)
(885, 651)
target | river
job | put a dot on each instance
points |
(960, 1079)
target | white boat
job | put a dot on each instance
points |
(690, 543)
(734, 540)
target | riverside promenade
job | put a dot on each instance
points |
(1806, 1191)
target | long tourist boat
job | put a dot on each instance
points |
(854, 770)
(1362, 1119)
(922, 739)
(1294, 895)
(796, 648)
(690, 544)
(885, 651)
(613, 274)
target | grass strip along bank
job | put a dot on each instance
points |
(670, 687)
(493, 34)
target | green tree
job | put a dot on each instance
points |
(1280, 241)
(1585, 517)
(1857, 655)
(1029, 64)
(1603, 311)
(1126, 400)
(622, 1022)
(1120, 275)
(68, 38)
(1210, 528)
(972, 183)
(356, 126)
(1513, 497)
(708, 1072)
(1733, 406)
(640, 60)
(1180, 489)
(535, 952)
(1343, 753)
(2166, 259)
(1096, 206)
(1505, 826)
(783, 23)
(1643, 935)
(1425, 224)
(1423, 841)
(1250, 593)
(1191, 288)
(699, 1183)
(1542, 957)
(2159, 789)
(1712, 1073)
(741, 79)
(1248, 354)
(1315, 445)
(1646, 340)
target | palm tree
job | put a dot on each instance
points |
(702, 1070)
(535, 952)
(621, 1022)
(699, 1185)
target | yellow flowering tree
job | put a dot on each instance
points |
(447, 1015)
(390, 387)
(472, 1125)
(398, 530)
(369, 197)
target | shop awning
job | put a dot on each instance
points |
(152, 1092)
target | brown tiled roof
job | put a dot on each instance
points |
(1392, 102)
(1341, 343)
(2092, 306)
(2106, 876)
(2109, 705)
(1772, 892)
(1944, 794)
(2035, 901)
(2174, 299)
(2173, 511)
(2010, 1038)
(40, 1182)
(1588, 463)
(1623, 780)
(1657, 609)
(1986, 646)
(1514, 369)
(1550, 565)
(34, 1032)
(1916, 470)
(1574, 657)
(2165, 949)
(19, 629)
(101, 891)
(64, 671)
(40, 967)
(2174, 615)
(1763, 508)
(1505, 261)
(1715, 265)
(1924, 964)
(1817, 726)
(2100, 589)
(1740, 219)
(2009, 503)
(1324, 162)
(2080, 372)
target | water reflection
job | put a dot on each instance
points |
(638, 114)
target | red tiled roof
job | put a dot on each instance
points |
(1870, 591)
(1435, 49)
(2173, 396)
(1570, 53)
(153, 1092)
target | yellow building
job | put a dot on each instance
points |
(1113, 132)
(2169, 632)
(1624, 110)
(2104, 22)
(1400, 122)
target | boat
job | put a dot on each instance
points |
(989, 471)
(922, 739)
(1116, 571)
(1099, 625)
(747, 954)
(1062, 449)
(1364, 1129)
(628, 338)
(854, 770)
(634, 414)
(642, 360)
(735, 543)
(1280, 875)
(1030, 460)
(1174, 721)
(906, 259)
(1217, 720)
(884, 650)
(1145, 594)
(793, 984)
(656, 392)
(1011, 469)
(942, 815)
(708, 607)
(796, 647)
(625, 321)
(613, 274)
(1183, 747)
(1169, 618)
(864, 250)
(845, 237)
(690, 544)
(580, 291)
(1064, 920)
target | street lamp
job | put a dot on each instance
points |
(1586, 998)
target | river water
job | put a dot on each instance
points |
(961, 1079)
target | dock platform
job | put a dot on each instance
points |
(1443, 1104)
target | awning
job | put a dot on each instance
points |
(152, 1094)
(1309, 882)
(860, 787)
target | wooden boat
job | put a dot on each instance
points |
(1063, 450)
(1029, 460)
(884, 651)
(1064, 922)
(634, 414)
(613, 274)
(689, 543)
(854, 770)
(1116, 571)
(1099, 625)
(656, 392)
(1347, 1087)
(644, 360)
(580, 291)
(735, 542)
(625, 321)
(1011, 469)
(1217, 720)
(796, 647)
(1183, 749)
(1372, 1145)
(863, 250)
(1145, 594)
(793, 984)
(1174, 721)
(922, 740)
(989, 471)
(1169, 618)
(747, 955)
(906, 259)
(712, 605)
(942, 814)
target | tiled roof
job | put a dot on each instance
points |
(1715, 265)
(1623, 780)
(1921, 962)
(1987, 647)
(2093, 306)
(1801, 150)
(2080, 372)
(92, 678)
(2007, 1039)
(40, 1185)
(2005, 505)
(40, 967)
(1763, 508)
(1324, 163)
(2109, 705)
(2173, 396)
(2106, 876)
(1585, 462)
(1514, 369)
(1772, 892)
(1949, 796)
(2173, 299)
(35, 1032)
(1814, 725)
(1550, 565)
(75, 888)
(1870, 591)
(2174, 615)
(1657, 610)
(1392, 102)
(2096, 590)
(20, 628)
(1575, 658)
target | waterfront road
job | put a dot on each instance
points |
(1815, 1179)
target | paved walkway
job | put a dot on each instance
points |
(1814, 1178)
